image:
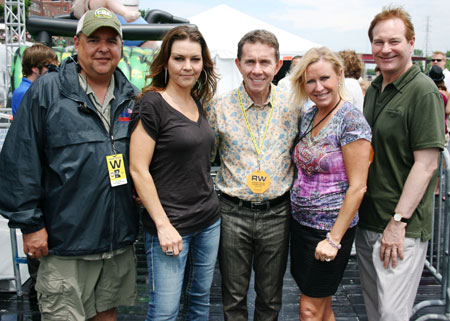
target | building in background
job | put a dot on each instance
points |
(50, 8)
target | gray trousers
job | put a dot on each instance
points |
(259, 238)
(389, 293)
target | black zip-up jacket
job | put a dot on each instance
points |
(53, 170)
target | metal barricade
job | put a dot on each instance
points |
(5, 122)
(16, 259)
(437, 261)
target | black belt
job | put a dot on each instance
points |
(259, 205)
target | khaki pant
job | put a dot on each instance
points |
(77, 289)
(389, 293)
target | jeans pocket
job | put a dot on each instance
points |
(52, 298)
(227, 206)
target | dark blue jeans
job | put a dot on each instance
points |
(259, 238)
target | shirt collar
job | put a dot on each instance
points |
(247, 100)
(399, 83)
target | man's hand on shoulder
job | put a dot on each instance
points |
(392, 243)
(35, 244)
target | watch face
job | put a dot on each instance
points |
(397, 217)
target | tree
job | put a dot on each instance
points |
(27, 10)
(418, 52)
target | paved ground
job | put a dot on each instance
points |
(347, 304)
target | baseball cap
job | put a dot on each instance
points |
(94, 19)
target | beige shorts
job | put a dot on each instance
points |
(77, 289)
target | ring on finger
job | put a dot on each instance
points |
(169, 252)
(327, 259)
(30, 254)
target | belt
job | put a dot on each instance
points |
(259, 205)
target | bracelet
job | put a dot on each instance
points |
(332, 243)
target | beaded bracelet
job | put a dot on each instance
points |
(332, 243)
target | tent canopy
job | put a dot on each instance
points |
(223, 27)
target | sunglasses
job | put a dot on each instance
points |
(436, 60)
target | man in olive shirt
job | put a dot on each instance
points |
(405, 111)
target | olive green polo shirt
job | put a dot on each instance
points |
(407, 116)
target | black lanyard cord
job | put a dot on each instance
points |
(308, 130)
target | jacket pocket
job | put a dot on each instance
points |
(67, 138)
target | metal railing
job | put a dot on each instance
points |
(437, 261)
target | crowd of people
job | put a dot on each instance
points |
(86, 150)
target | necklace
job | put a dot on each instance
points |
(309, 129)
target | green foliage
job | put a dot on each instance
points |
(142, 13)
(370, 72)
(418, 52)
(14, 9)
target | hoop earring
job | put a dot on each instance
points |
(165, 76)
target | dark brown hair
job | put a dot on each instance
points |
(205, 87)
(37, 56)
(262, 36)
(391, 13)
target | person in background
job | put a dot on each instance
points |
(35, 62)
(364, 85)
(171, 142)
(436, 74)
(255, 127)
(133, 5)
(65, 181)
(285, 83)
(404, 109)
(439, 59)
(353, 67)
(332, 159)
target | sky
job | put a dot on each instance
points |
(337, 24)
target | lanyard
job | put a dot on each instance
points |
(258, 149)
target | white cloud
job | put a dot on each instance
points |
(184, 9)
(335, 17)
(319, 19)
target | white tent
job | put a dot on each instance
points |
(223, 27)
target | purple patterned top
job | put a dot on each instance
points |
(319, 189)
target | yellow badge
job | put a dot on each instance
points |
(258, 182)
(116, 170)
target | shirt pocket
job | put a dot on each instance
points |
(394, 111)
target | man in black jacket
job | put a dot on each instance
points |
(65, 181)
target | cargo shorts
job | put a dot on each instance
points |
(78, 288)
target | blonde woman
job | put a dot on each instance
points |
(332, 158)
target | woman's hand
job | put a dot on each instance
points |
(170, 239)
(325, 251)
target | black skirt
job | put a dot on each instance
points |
(315, 278)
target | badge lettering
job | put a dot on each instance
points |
(258, 182)
(115, 163)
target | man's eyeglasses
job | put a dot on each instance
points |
(436, 60)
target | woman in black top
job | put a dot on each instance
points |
(170, 146)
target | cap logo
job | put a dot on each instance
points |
(102, 13)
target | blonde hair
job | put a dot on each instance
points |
(299, 95)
